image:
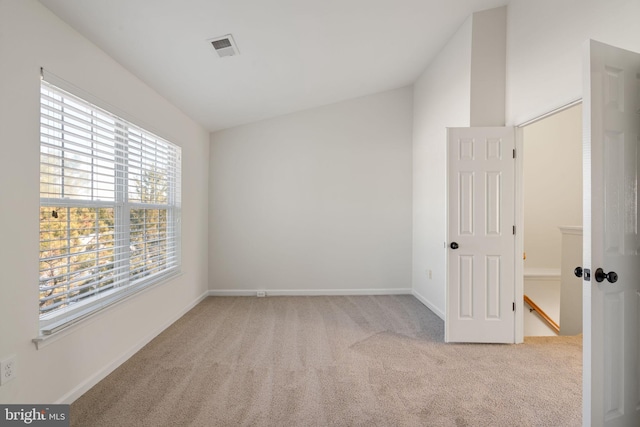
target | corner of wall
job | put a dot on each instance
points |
(441, 99)
(98, 343)
(488, 67)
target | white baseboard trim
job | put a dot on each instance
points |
(305, 292)
(83, 387)
(429, 305)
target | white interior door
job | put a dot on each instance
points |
(611, 243)
(481, 241)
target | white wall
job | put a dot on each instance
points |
(545, 41)
(552, 185)
(314, 202)
(31, 37)
(488, 67)
(441, 99)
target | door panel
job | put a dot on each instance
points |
(493, 204)
(611, 241)
(494, 284)
(466, 182)
(481, 191)
(466, 287)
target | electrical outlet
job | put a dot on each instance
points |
(8, 370)
(261, 294)
(430, 273)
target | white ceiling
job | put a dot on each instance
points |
(294, 54)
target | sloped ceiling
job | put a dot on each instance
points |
(294, 54)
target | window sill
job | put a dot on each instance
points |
(83, 318)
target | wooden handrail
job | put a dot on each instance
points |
(548, 320)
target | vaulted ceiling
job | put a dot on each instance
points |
(294, 54)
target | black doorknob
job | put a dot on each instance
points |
(454, 245)
(578, 271)
(600, 275)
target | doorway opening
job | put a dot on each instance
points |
(552, 176)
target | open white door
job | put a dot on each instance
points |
(481, 241)
(611, 395)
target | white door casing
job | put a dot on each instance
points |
(481, 221)
(611, 314)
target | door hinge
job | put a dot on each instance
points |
(514, 153)
(514, 306)
(514, 230)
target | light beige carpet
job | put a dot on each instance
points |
(333, 361)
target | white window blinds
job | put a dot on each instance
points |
(109, 208)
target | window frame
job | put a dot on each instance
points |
(168, 260)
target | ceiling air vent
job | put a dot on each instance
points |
(224, 46)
